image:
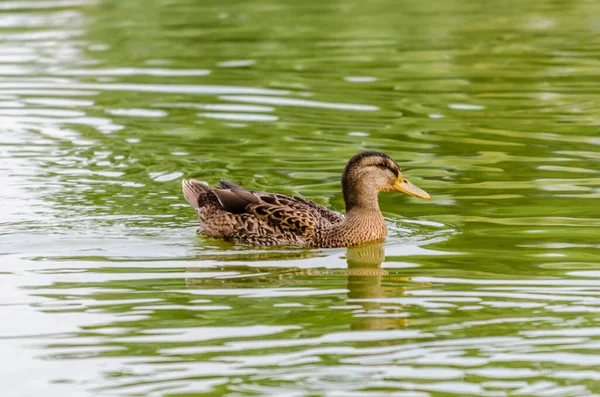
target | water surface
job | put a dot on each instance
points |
(489, 289)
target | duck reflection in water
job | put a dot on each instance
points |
(364, 281)
(365, 276)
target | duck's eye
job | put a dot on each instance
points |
(382, 165)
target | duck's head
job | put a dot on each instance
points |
(369, 173)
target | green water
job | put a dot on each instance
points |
(490, 289)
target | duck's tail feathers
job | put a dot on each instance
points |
(192, 190)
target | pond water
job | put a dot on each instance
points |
(490, 289)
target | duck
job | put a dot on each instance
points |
(233, 213)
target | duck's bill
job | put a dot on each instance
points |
(406, 187)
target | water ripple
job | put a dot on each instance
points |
(489, 289)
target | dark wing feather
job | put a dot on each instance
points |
(229, 185)
(235, 201)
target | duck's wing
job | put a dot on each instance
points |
(223, 184)
(320, 210)
(295, 214)
(323, 212)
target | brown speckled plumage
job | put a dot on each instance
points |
(233, 213)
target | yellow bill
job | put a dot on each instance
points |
(404, 186)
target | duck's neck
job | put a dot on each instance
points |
(363, 221)
(359, 198)
(359, 226)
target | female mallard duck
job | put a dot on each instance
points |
(231, 212)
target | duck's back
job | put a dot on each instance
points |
(233, 213)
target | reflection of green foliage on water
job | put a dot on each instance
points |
(491, 109)
(183, 300)
(490, 164)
